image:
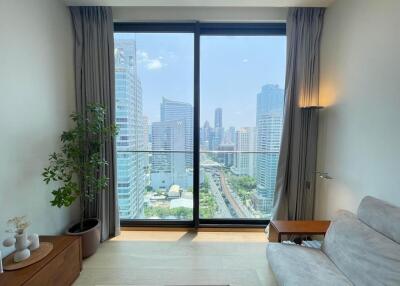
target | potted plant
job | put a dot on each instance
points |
(78, 170)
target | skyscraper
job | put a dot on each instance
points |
(168, 168)
(226, 155)
(218, 118)
(230, 135)
(218, 132)
(174, 110)
(270, 99)
(129, 119)
(244, 163)
(146, 138)
(269, 131)
(173, 133)
(205, 136)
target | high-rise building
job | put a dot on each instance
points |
(173, 133)
(146, 141)
(218, 118)
(225, 157)
(244, 163)
(269, 131)
(218, 132)
(270, 99)
(174, 110)
(205, 135)
(230, 135)
(168, 168)
(146, 133)
(129, 119)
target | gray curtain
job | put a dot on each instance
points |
(94, 83)
(295, 182)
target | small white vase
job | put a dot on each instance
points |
(21, 246)
(22, 255)
(21, 241)
(1, 263)
(34, 239)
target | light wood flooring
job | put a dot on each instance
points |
(149, 258)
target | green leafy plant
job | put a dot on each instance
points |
(79, 166)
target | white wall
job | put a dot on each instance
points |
(227, 14)
(359, 132)
(37, 95)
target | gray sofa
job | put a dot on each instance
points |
(362, 249)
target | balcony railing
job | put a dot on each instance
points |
(230, 187)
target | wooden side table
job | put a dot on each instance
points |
(277, 228)
(61, 267)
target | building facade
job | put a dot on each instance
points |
(171, 110)
(168, 167)
(173, 134)
(226, 155)
(269, 123)
(244, 163)
(129, 119)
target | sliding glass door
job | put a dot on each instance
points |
(199, 109)
(154, 113)
(242, 79)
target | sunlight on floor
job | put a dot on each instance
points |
(180, 257)
(201, 236)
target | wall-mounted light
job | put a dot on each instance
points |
(315, 107)
(309, 97)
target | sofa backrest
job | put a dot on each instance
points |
(365, 256)
(381, 216)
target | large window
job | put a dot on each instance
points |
(200, 110)
(241, 107)
(154, 112)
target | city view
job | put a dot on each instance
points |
(238, 152)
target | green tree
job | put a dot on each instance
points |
(244, 186)
(79, 166)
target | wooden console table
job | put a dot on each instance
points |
(277, 228)
(61, 267)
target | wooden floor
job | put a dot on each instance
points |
(147, 258)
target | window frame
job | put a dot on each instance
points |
(199, 29)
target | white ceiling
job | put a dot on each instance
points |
(202, 3)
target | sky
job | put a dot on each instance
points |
(233, 70)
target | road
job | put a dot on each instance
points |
(223, 210)
(228, 195)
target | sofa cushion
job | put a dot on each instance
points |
(381, 216)
(365, 256)
(297, 265)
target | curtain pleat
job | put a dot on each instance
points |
(94, 83)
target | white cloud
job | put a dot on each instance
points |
(149, 62)
(245, 60)
(154, 64)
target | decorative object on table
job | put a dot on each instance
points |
(36, 255)
(60, 267)
(34, 240)
(22, 243)
(1, 263)
(78, 167)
